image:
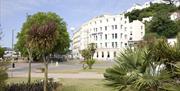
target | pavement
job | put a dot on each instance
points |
(21, 70)
(83, 75)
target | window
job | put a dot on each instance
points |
(125, 36)
(106, 44)
(130, 38)
(102, 54)
(141, 33)
(96, 29)
(101, 28)
(101, 45)
(116, 44)
(95, 22)
(121, 18)
(141, 27)
(108, 55)
(125, 28)
(112, 44)
(112, 36)
(114, 19)
(115, 35)
(106, 36)
(100, 21)
(125, 22)
(105, 27)
(121, 26)
(96, 37)
(121, 35)
(125, 44)
(107, 20)
(97, 55)
(101, 36)
(112, 27)
(121, 44)
(115, 26)
(130, 32)
(114, 54)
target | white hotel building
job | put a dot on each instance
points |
(111, 34)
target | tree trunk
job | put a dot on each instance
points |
(29, 73)
(45, 73)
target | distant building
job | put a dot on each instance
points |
(172, 41)
(147, 19)
(148, 4)
(110, 33)
(175, 16)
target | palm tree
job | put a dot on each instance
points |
(43, 38)
(136, 71)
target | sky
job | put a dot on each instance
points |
(74, 12)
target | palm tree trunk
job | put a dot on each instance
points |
(45, 73)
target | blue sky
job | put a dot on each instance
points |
(74, 12)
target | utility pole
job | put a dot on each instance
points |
(13, 65)
(13, 40)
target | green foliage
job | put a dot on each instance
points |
(92, 49)
(35, 86)
(141, 69)
(85, 54)
(150, 11)
(1, 52)
(162, 25)
(41, 18)
(3, 74)
(90, 63)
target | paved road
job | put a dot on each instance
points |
(21, 70)
(23, 67)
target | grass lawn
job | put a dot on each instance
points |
(84, 85)
(97, 70)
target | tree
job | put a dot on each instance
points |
(162, 25)
(43, 34)
(62, 44)
(3, 74)
(43, 38)
(1, 52)
(88, 56)
(92, 49)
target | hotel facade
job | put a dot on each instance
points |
(111, 34)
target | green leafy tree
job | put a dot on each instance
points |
(150, 11)
(88, 54)
(162, 25)
(43, 34)
(1, 52)
(62, 44)
(92, 49)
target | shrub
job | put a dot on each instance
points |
(3, 74)
(90, 63)
(36, 86)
